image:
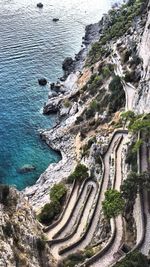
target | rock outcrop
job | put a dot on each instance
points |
(22, 242)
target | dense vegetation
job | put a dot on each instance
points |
(80, 173)
(133, 183)
(134, 259)
(51, 210)
(118, 23)
(137, 122)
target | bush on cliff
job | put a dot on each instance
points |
(80, 173)
(113, 204)
(117, 98)
(72, 260)
(136, 259)
(51, 210)
(130, 187)
(58, 193)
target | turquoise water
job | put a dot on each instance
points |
(33, 46)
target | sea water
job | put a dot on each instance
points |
(32, 45)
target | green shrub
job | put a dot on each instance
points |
(117, 97)
(80, 173)
(140, 125)
(129, 187)
(113, 204)
(58, 193)
(131, 157)
(136, 259)
(49, 212)
(93, 108)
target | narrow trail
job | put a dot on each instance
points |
(72, 242)
(145, 248)
(92, 229)
(109, 258)
(75, 239)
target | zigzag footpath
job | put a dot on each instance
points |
(80, 202)
(80, 220)
(52, 229)
(106, 256)
(142, 207)
(88, 234)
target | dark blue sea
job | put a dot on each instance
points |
(33, 46)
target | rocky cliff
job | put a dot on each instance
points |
(22, 241)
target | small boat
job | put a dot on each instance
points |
(55, 19)
(40, 5)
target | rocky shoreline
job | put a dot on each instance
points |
(59, 137)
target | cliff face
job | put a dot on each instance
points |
(21, 239)
(121, 48)
(142, 99)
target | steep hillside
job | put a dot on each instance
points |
(22, 242)
(102, 133)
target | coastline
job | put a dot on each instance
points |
(58, 137)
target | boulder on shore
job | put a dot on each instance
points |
(42, 81)
(67, 63)
(26, 168)
(55, 19)
(40, 5)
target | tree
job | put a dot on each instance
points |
(144, 181)
(113, 204)
(80, 173)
